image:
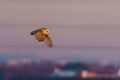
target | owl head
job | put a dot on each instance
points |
(45, 31)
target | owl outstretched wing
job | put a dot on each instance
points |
(48, 41)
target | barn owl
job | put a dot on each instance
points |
(42, 35)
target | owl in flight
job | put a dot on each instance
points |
(41, 35)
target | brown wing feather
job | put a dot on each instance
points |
(48, 41)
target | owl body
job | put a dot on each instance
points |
(43, 35)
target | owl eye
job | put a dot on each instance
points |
(47, 31)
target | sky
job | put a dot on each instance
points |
(70, 12)
(80, 29)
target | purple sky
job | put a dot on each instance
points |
(80, 29)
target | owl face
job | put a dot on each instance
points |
(45, 31)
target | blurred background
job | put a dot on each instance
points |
(85, 35)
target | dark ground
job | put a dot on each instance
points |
(30, 78)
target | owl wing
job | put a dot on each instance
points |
(39, 36)
(48, 41)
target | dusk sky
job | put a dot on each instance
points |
(80, 29)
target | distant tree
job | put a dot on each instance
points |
(75, 66)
